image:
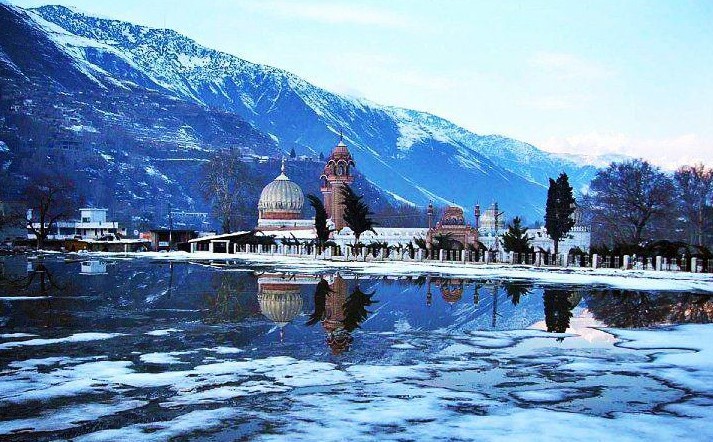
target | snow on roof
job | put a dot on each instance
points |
(217, 237)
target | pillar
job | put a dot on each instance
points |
(627, 262)
(193, 247)
(210, 247)
(595, 261)
(659, 263)
(442, 255)
(694, 265)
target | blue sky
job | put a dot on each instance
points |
(595, 77)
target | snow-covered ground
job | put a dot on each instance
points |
(622, 279)
(653, 385)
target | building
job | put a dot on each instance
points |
(92, 224)
(280, 206)
(580, 237)
(453, 225)
(338, 172)
(492, 219)
(170, 239)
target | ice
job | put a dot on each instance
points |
(225, 350)
(68, 417)
(78, 337)
(165, 430)
(163, 332)
(163, 358)
(16, 335)
(550, 395)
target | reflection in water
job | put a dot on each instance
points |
(558, 309)
(225, 304)
(618, 308)
(93, 267)
(515, 290)
(451, 290)
(280, 299)
(339, 314)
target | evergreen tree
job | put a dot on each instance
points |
(320, 219)
(293, 154)
(516, 239)
(357, 215)
(559, 209)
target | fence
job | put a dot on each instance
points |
(539, 259)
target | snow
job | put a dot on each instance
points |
(622, 279)
(78, 337)
(163, 332)
(68, 417)
(16, 335)
(163, 358)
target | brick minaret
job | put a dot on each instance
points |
(337, 173)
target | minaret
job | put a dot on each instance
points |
(477, 216)
(337, 173)
(429, 212)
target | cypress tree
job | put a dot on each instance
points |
(357, 215)
(320, 219)
(560, 206)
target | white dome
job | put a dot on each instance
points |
(281, 196)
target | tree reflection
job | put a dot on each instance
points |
(339, 314)
(320, 299)
(558, 309)
(515, 290)
(634, 309)
(355, 311)
(225, 304)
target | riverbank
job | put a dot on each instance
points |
(615, 278)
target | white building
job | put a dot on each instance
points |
(92, 224)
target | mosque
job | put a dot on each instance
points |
(282, 202)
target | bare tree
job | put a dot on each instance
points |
(50, 198)
(630, 200)
(220, 186)
(694, 186)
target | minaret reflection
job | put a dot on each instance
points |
(280, 299)
(429, 295)
(339, 313)
(339, 339)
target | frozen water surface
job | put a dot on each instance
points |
(162, 349)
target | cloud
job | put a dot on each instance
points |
(565, 66)
(669, 153)
(331, 13)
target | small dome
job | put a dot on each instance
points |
(453, 216)
(281, 199)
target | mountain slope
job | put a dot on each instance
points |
(414, 155)
(138, 151)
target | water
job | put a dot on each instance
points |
(135, 348)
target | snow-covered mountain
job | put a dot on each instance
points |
(413, 156)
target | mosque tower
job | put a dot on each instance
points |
(337, 173)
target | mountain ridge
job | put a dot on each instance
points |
(413, 156)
